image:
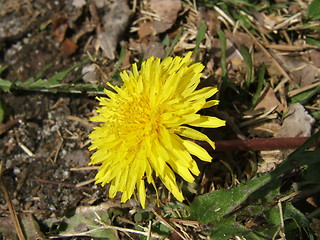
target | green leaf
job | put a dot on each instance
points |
(313, 10)
(166, 40)
(212, 207)
(290, 212)
(41, 72)
(174, 42)
(226, 210)
(261, 82)
(248, 60)
(3, 68)
(311, 175)
(2, 111)
(313, 41)
(316, 115)
(229, 229)
(84, 223)
(5, 85)
(200, 36)
(305, 96)
(119, 62)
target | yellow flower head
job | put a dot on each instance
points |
(144, 129)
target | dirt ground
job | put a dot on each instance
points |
(43, 149)
(50, 138)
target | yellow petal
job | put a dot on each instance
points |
(142, 193)
(181, 170)
(203, 93)
(169, 181)
(194, 134)
(196, 150)
(207, 122)
(211, 103)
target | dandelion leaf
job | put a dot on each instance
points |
(90, 221)
(253, 210)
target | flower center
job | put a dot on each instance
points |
(134, 120)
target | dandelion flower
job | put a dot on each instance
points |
(145, 131)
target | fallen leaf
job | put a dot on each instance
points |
(79, 3)
(145, 29)
(314, 56)
(114, 23)
(68, 47)
(302, 72)
(268, 100)
(89, 73)
(155, 49)
(266, 23)
(239, 39)
(298, 122)
(264, 130)
(29, 225)
(126, 61)
(269, 160)
(59, 29)
(160, 27)
(167, 11)
(84, 222)
(77, 158)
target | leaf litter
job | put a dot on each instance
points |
(45, 152)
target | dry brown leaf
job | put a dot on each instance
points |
(155, 49)
(265, 23)
(126, 61)
(145, 29)
(79, 3)
(302, 72)
(239, 39)
(29, 224)
(68, 47)
(77, 158)
(314, 56)
(114, 23)
(268, 100)
(167, 11)
(264, 130)
(89, 73)
(270, 159)
(160, 27)
(60, 32)
(298, 122)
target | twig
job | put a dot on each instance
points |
(13, 214)
(300, 90)
(269, 55)
(168, 224)
(6, 126)
(128, 230)
(62, 184)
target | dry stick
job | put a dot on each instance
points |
(167, 223)
(13, 214)
(64, 184)
(6, 126)
(269, 55)
(258, 144)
